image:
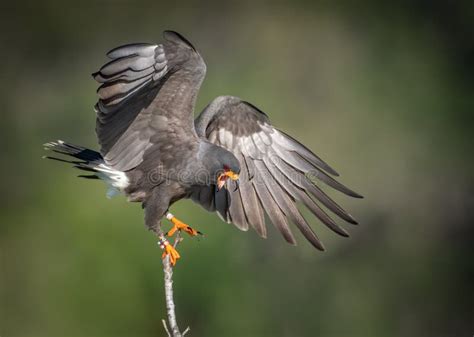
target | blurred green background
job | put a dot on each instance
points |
(382, 90)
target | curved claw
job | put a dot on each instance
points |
(168, 249)
(173, 254)
(178, 225)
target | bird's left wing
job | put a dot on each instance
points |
(277, 172)
(147, 98)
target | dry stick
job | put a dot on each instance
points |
(170, 307)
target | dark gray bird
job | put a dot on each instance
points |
(230, 160)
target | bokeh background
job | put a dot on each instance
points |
(382, 90)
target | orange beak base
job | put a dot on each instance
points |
(223, 178)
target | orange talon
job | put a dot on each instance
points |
(168, 249)
(178, 225)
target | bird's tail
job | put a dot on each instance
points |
(90, 161)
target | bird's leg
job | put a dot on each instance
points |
(168, 249)
(179, 225)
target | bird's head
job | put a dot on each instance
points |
(220, 165)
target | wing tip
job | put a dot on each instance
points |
(318, 244)
(348, 218)
(353, 193)
(321, 248)
(173, 36)
(333, 172)
(345, 234)
(352, 221)
(260, 228)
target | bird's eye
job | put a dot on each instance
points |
(226, 168)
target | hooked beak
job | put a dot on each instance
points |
(224, 176)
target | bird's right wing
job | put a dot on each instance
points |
(277, 172)
(147, 99)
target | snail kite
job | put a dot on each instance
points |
(230, 159)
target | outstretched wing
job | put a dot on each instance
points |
(277, 173)
(147, 90)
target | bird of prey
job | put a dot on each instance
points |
(230, 159)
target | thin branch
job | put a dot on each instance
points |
(166, 327)
(173, 330)
(186, 331)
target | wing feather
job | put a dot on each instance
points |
(236, 209)
(250, 202)
(142, 49)
(287, 202)
(303, 165)
(292, 144)
(295, 178)
(277, 173)
(141, 84)
(274, 213)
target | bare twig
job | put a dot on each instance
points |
(166, 327)
(173, 330)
